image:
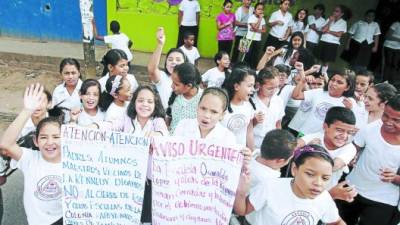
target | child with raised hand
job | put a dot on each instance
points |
(241, 109)
(115, 62)
(162, 78)
(37, 166)
(225, 26)
(90, 112)
(338, 92)
(287, 200)
(66, 95)
(115, 100)
(215, 77)
(182, 103)
(270, 109)
(189, 49)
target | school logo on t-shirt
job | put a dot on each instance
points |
(305, 106)
(237, 122)
(321, 109)
(298, 217)
(49, 188)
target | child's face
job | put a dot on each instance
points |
(228, 8)
(337, 86)
(173, 59)
(362, 84)
(70, 75)
(370, 17)
(317, 83)
(48, 142)
(372, 101)
(177, 86)
(338, 133)
(245, 88)
(337, 13)
(121, 68)
(285, 6)
(224, 61)
(311, 178)
(209, 112)
(302, 15)
(283, 77)
(189, 41)
(259, 10)
(246, 3)
(269, 88)
(317, 12)
(296, 42)
(391, 120)
(90, 99)
(144, 103)
(124, 93)
(44, 106)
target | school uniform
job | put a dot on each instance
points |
(329, 43)
(240, 32)
(275, 203)
(85, 119)
(191, 54)
(213, 77)
(362, 42)
(189, 9)
(291, 105)
(115, 112)
(278, 31)
(391, 50)
(164, 88)
(62, 98)
(376, 202)
(131, 78)
(252, 56)
(119, 41)
(312, 36)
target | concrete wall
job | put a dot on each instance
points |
(46, 19)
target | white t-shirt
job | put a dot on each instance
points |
(190, 128)
(272, 114)
(279, 31)
(286, 95)
(312, 35)
(317, 103)
(395, 27)
(213, 77)
(65, 100)
(337, 26)
(346, 153)
(189, 9)
(299, 26)
(280, 59)
(131, 78)
(42, 187)
(275, 203)
(363, 31)
(238, 121)
(242, 18)
(255, 36)
(85, 119)
(115, 112)
(119, 41)
(164, 88)
(377, 154)
(191, 54)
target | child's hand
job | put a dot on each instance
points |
(33, 97)
(347, 103)
(74, 114)
(247, 154)
(299, 66)
(387, 175)
(310, 78)
(259, 117)
(270, 50)
(315, 68)
(343, 191)
(160, 36)
(280, 22)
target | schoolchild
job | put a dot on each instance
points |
(376, 98)
(279, 22)
(226, 26)
(300, 23)
(191, 51)
(315, 22)
(215, 77)
(188, 20)
(242, 15)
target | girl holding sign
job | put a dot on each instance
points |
(287, 200)
(42, 169)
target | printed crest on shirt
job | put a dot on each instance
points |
(321, 110)
(49, 188)
(298, 217)
(237, 122)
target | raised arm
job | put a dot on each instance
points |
(32, 99)
(95, 34)
(152, 67)
(298, 91)
(269, 53)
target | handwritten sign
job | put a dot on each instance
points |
(194, 181)
(104, 175)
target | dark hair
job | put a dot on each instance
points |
(114, 27)
(370, 11)
(257, 4)
(172, 50)
(394, 102)
(266, 74)
(46, 121)
(320, 7)
(350, 80)
(365, 73)
(282, 68)
(290, 48)
(69, 61)
(56, 111)
(385, 91)
(186, 34)
(237, 75)
(106, 97)
(218, 57)
(342, 114)
(347, 14)
(306, 57)
(282, 1)
(158, 108)
(48, 95)
(188, 74)
(219, 92)
(112, 57)
(90, 83)
(278, 144)
(296, 18)
(227, 2)
(311, 151)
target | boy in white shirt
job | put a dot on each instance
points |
(189, 49)
(374, 174)
(188, 20)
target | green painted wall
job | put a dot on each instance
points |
(140, 19)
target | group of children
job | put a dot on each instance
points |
(301, 130)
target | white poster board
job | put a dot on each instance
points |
(104, 176)
(194, 181)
